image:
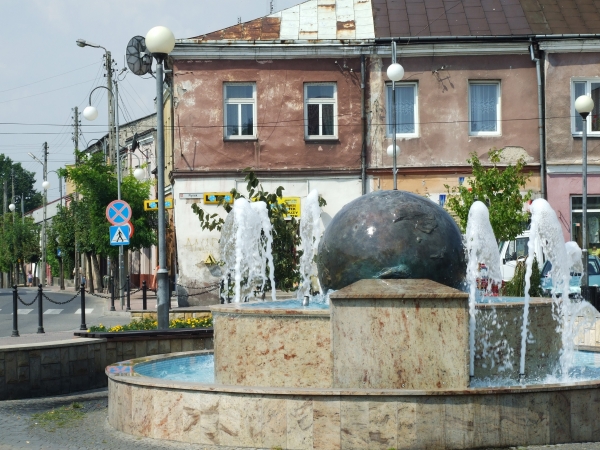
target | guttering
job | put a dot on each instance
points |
(536, 59)
(509, 37)
(363, 117)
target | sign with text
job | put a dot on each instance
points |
(292, 204)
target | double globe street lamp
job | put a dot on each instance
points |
(395, 73)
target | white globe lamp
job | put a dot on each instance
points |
(395, 72)
(46, 185)
(160, 40)
(11, 207)
(139, 174)
(90, 113)
(584, 105)
(390, 150)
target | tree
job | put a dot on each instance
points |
(96, 183)
(19, 243)
(286, 238)
(23, 181)
(500, 189)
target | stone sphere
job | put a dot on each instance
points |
(391, 234)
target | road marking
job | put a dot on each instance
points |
(53, 311)
(87, 311)
(21, 312)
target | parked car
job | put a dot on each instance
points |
(512, 252)
(575, 282)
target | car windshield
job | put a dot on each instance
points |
(593, 267)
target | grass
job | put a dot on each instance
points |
(152, 324)
(59, 418)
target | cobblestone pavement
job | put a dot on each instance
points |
(92, 432)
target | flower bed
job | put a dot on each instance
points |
(152, 324)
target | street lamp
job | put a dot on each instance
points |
(160, 41)
(584, 106)
(395, 72)
(45, 186)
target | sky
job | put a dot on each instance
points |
(44, 74)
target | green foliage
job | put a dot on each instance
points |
(59, 418)
(286, 238)
(96, 183)
(499, 189)
(23, 182)
(20, 241)
(516, 286)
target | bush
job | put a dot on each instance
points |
(516, 286)
(151, 324)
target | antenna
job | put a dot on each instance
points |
(239, 19)
(271, 7)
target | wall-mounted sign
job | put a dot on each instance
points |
(152, 205)
(191, 195)
(292, 204)
(214, 198)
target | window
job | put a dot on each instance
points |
(593, 220)
(591, 88)
(320, 111)
(406, 110)
(484, 108)
(240, 110)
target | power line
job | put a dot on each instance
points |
(49, 78)
(44, 93)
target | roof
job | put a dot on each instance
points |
(369, 19)
(398, 18)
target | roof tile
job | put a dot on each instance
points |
(474, 12)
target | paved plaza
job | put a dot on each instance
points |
(91, 431)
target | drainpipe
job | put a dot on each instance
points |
(363, 116)
(540, 119)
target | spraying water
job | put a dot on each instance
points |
(310, 234)
(481, 249)
(246, 241)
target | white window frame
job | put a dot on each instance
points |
(574, 114)
(388, 112)
(320, 101)
(498, 131)
(239, 101)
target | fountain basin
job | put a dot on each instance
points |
(327, 418)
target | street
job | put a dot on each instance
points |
(57, 317)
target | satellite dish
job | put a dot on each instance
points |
(139, 59)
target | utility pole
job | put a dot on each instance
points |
(43, 271)
(111, 116)
(76, 142)
(5, 206)
(16, 269)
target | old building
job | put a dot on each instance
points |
(302, 97)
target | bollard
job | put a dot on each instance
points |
(40, 310)
(128, 295)
(112, 293)
(83, 325)
(144, 298)
(15, 332)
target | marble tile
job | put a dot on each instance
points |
(559, 409)
(459, 426)
(485, 417)
(142, 411)
(354, 422)
(299, 423)
(397, 289)
(168, 411)
(383, 424)
(538, 418)
(326, 423)
(513, 420)
(582, 421)
(407, 423)
(431, 412)
(201, 418)
(274, 422)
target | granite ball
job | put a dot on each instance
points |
(391, 235)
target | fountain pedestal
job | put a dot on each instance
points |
(400, 334)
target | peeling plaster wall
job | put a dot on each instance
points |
(443, 110)
(199, 143)
(194, 244)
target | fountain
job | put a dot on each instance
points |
(387, 365)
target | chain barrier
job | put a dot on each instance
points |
(62, 303)
(25, 303)
(207, 289)
(98, 295)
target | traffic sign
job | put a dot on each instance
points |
(119, 235)
(131, 229)
(152, 205)
(214, 198)
(118, 212)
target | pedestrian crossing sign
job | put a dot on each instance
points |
(119, 235)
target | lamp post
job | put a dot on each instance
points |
(12, 208)
(584, 106)
(60, 196)
(45, 185)
(160, 42)
(395, 72)
(91, 113)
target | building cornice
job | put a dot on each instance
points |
(336, 49)
(570, 45)
(571, 169)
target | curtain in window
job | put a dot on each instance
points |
(327, 113)
(313, 120)
(405, 110)
(579, 88)
(247, 120)
(484, 99)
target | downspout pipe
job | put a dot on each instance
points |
(541, 129)
(363, 116)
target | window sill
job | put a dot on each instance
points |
(485, 135)
(595, 135)
(241, 139)
(321, 139)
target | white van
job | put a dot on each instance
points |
(513, 251)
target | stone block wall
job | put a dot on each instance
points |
(139, 315)
(63, 367)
